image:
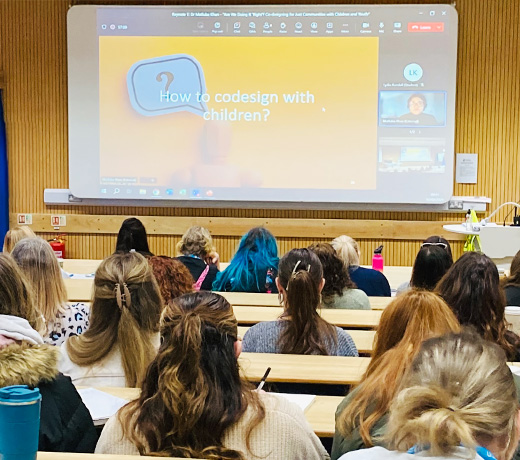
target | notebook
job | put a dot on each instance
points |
(101, 405)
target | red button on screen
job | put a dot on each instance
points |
(426, 27)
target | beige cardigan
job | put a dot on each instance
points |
(284, 434)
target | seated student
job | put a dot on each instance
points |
(512, 283)
(172, 276)
(39, 264)
(430, 265)
(254, 266)
(405, 323)
(16, 234)
(123, 337)
(458, 401)
(471, 287)
(194, 403)
(339, 290)
(132, 237)
(300, 330)
(65, 422)
(372, 282)
(199, 256)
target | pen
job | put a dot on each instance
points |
(264, 378)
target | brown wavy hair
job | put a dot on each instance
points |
(193, 391)
(405, 323)
(471, 287)
(306, 332)
(173, 277)
(130, 327)
(514, 273)
(335, 273)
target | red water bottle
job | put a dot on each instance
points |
(377, 259)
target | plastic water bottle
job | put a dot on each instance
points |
(377, 259)
(19, 422)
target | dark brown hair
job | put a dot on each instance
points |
(306, 332)
(430, 265)
(192, 392)
(514, 273)
(335, 273)
(442, 242)
(471, 287)
(173, 277)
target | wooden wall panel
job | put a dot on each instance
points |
(34, 81)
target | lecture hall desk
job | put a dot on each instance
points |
(320, 414)
(80, 290)
(74, 456)
(395, 275)
(343, 318)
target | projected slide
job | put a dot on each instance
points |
(289, 104)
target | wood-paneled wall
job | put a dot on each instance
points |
(33, 77)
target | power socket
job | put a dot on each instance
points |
(516, 221)
(455, 204)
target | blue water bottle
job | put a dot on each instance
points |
(19, 422)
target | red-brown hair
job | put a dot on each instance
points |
(406, 322)
(173, 277)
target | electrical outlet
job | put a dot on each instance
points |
(455, 204)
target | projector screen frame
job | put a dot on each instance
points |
(83, 113)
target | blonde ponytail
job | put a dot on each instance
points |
(425, 413)
(459, 391)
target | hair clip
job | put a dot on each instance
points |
(296, 267)
(123, 299)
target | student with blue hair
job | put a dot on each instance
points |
(254, 267)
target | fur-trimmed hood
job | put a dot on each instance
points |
(26, 364)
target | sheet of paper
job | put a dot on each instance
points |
(515, 370)
(101, 405)
(467, 168)
(303, 401)
(81, 276)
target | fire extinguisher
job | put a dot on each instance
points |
(58, 246)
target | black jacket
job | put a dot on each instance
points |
(65, 422)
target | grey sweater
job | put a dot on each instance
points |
(263, 338)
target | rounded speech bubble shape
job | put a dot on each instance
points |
(167, 84)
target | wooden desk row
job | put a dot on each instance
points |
(395, 275)
(80, 290)
(364, 340)
(271, 300)
(328, 370)
(343, 318)
(74, 456)
(320, 414)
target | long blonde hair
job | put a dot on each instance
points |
(16, 234)
(405, 323)
(15, 295)
(193, 391)
(458, 391)
(39, 264)
(125, 311)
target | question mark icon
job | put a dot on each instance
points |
(267, 112)
(169, 79)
